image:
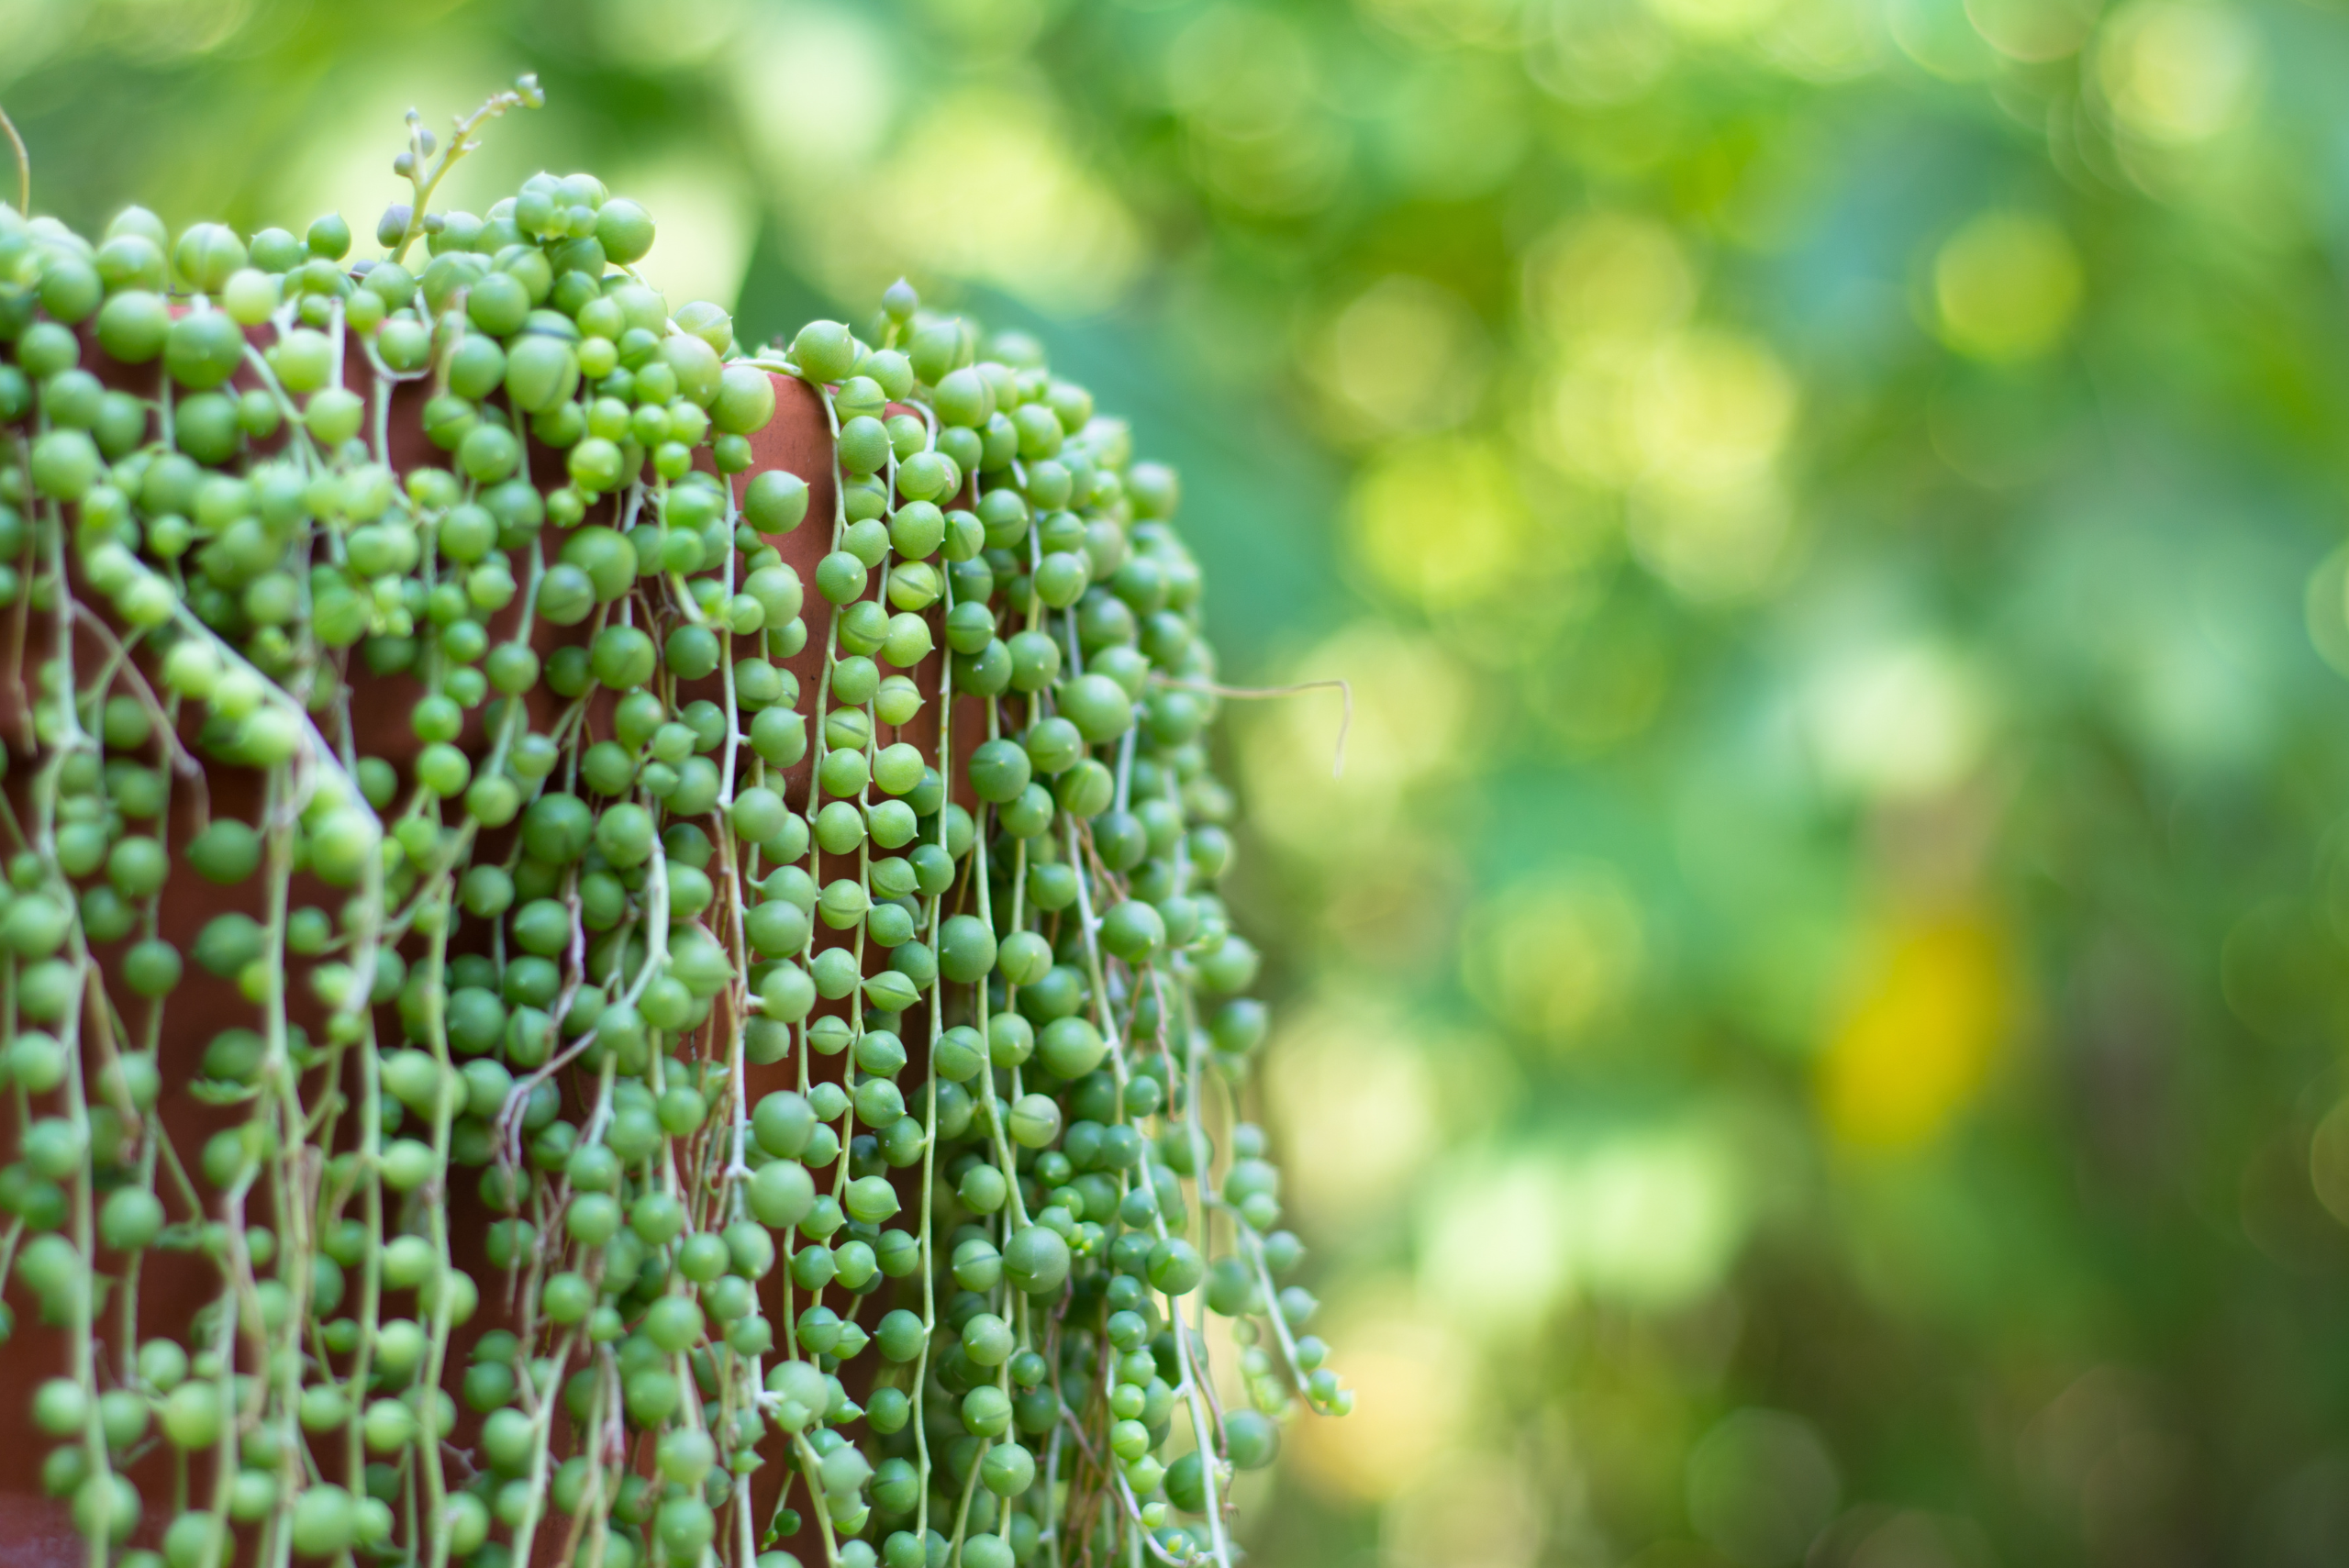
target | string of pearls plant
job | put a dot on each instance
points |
(664, 1109)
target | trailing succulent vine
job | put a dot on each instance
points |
(536, 1032)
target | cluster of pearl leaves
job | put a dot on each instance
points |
(662, 920)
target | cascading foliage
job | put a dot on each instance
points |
(605, 1096)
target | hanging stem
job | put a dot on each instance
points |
(1213, 688)
(24, 165)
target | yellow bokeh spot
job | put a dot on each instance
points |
(704, 241)
(1714, 406)
(1696, 410)
(1413, 1395)
(1585, 422)
(1715, 18)
(1656, 1219)
(1824, 40)
(1239, 72)
(1472, 1509)
(1649, 1217)
(1404, 355)
(1553, 960)
(1355, 1099)
(1917, 1045)
(1440, 521)
(1690, 426)
(1897, 720)
(2033, 29)
(1612, 275)
(666, 33)
(1496, 1238)
(1601, 54)
(1247, 83)
(1413, 709)
(2006, 286)
(2178, 73)
(815, 90)
(1020, 213)
(1714, 543)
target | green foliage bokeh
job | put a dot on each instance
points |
(1811, 1019)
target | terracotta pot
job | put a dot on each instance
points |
(34, 1531)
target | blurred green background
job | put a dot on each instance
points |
(1811, 1025)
